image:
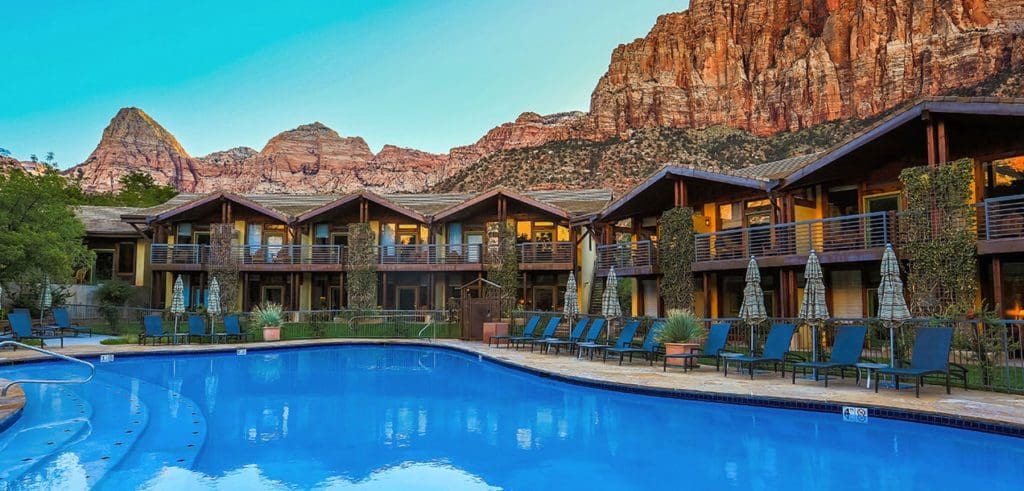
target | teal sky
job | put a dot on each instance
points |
(427, 74)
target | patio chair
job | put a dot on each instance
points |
(531, 325)
(625, 339)
(714, 347)
(21, 327)
(154, 329)
(232, 330)
(592, 334)
(549, 333)
(775, 350)
(197, 329)
(575, 336)
(930, 356)
(649, 349)
(846, 353)
(62, 322)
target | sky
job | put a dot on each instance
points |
(426, 74)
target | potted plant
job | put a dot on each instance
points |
(269, 317)
(680, 334)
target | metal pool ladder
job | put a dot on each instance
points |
(92, 368)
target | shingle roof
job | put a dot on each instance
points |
(777, 169)
(105, 220)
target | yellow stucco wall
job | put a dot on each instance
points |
(141, 259)
(306, 292)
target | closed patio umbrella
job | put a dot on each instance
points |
(892, 306)
(610, 299)
(213, 302)
(813, 309)
(45, 298)
(571, 302)
(752, 311)
(177, 303)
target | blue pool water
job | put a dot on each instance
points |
(387, 417)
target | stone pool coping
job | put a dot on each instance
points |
(989, 412)
(11, 406)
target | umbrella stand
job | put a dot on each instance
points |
(892, 361)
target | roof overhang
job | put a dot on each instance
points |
(368, 196)
(482, 197)
(191, 205)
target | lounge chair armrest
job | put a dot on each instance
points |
(793, 357)
(956, 367)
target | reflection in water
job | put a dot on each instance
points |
(403, 417)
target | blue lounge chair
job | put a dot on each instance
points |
(846, 352)
(929, 357)
(592, 334)
(232, 330)
(154, 329)
(574, 337)
(62, 322)
(649, 348)
(531, 325)
(714, 347)
(197, 329)
(21, 327)
(549, 333)
(625, 339)
(775, 349)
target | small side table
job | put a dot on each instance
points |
(492, 329)
(870, 367)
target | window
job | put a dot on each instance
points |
(730, 216)
(126, 259)
(104, 268)
(758, 213)
(408, 234)
(1004, 177)
(321, 234)
(184, 235)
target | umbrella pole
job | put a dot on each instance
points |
(892, 346)
(752, 339)
(175, 328)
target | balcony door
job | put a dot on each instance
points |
(272, 294)
(474, 245)
(408, 297)
(878, 233)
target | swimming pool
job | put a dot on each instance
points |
(406, 417)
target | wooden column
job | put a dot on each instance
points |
(681, 198)
(942, 143)
(341, 289)
(244, 292)
(707, 294)
(384, 290)
(930, 139)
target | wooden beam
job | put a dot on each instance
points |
(929, 129)
(943, 144)
(997, 285)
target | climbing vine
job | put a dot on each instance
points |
(361, 280)
(938, 239)
(503, 262)
(675, 256)
(224, 264)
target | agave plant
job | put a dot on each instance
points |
(268, 315)
(680, 326)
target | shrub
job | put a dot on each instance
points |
(681, 326)
(268, 315)
(112, 295)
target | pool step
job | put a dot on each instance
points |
(118, 419)
(174, 437)
(38, 435)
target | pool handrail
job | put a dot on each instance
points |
(92, 368)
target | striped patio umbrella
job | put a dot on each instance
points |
(213, 298)
(610, 300)
(753, 311)
(177, 303)
(572, 298)
(45, 298)
(892, 306)
(813, 309)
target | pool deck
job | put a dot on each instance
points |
(972, 406)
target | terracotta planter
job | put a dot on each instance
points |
(681, 349)
(272, 333)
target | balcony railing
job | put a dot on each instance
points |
(289, 254)
(845, 233)
(546, 252)
(1003, 218)
(178, 254)
(627, 255)
(431, 254)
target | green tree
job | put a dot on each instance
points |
(39, 233)
(139, 189)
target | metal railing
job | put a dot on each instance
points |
(627, 255)
(289, 254)
(8, 385)
(1003, 218)
(431, 254)
(179, 254)
(845, 233)
(546, 252)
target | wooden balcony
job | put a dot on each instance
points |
(1001, 225)
(431, 257)
(840, 239)
(629, 258)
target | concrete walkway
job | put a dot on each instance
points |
(992, 407)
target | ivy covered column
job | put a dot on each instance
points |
(675, 256)
(503, 263)
(938, 239)
(362, 267)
